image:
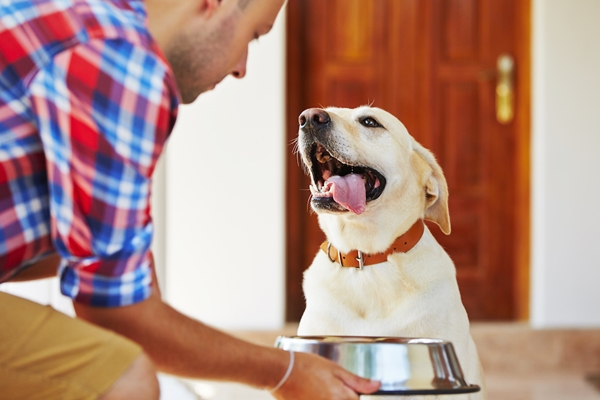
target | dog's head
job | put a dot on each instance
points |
(367, 169)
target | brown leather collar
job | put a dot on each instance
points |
(357, 259)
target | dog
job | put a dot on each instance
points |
(381, 271)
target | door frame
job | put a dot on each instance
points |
(295, 100)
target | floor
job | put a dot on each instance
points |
(176, 389)
(520, 364)
(545, 386)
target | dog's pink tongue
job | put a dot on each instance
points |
(348, 191)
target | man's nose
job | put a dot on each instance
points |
(239, 71)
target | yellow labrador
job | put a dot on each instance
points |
(381, 272)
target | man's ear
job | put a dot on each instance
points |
(435, 192)
(208, 7)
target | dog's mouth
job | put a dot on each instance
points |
(338, 186)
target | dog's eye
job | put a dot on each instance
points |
(370, 122)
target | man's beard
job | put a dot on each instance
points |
(195, 59)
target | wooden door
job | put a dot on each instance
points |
(433, 64)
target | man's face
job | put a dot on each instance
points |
(209, 49)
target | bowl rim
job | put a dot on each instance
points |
(417, 392)
(357, 340)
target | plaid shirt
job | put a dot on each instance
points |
(87, 101)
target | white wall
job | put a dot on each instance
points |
(43, 291)
(225, 197)
(566, 164)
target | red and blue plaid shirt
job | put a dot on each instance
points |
(87, 101)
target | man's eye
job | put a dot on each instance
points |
(370, 122)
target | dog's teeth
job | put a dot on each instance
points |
(323, 157)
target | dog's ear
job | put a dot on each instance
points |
(435, 191)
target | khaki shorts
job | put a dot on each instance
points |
(45, 354)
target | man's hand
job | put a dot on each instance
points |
(317, 378)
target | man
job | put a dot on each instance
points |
(88, 95)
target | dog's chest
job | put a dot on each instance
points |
(364, 303)
(401, 297)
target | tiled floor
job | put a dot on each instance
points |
(175, 389)
(228, 391)
(520, 364)
(547, 386)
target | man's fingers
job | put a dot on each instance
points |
(317, 378)
(356, 383)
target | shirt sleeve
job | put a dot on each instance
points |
(104, 110)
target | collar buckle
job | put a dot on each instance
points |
(360, 259)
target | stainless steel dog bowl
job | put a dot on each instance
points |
(405, 366)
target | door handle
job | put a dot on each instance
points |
(505, 101)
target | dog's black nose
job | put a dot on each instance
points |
(313, 118)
